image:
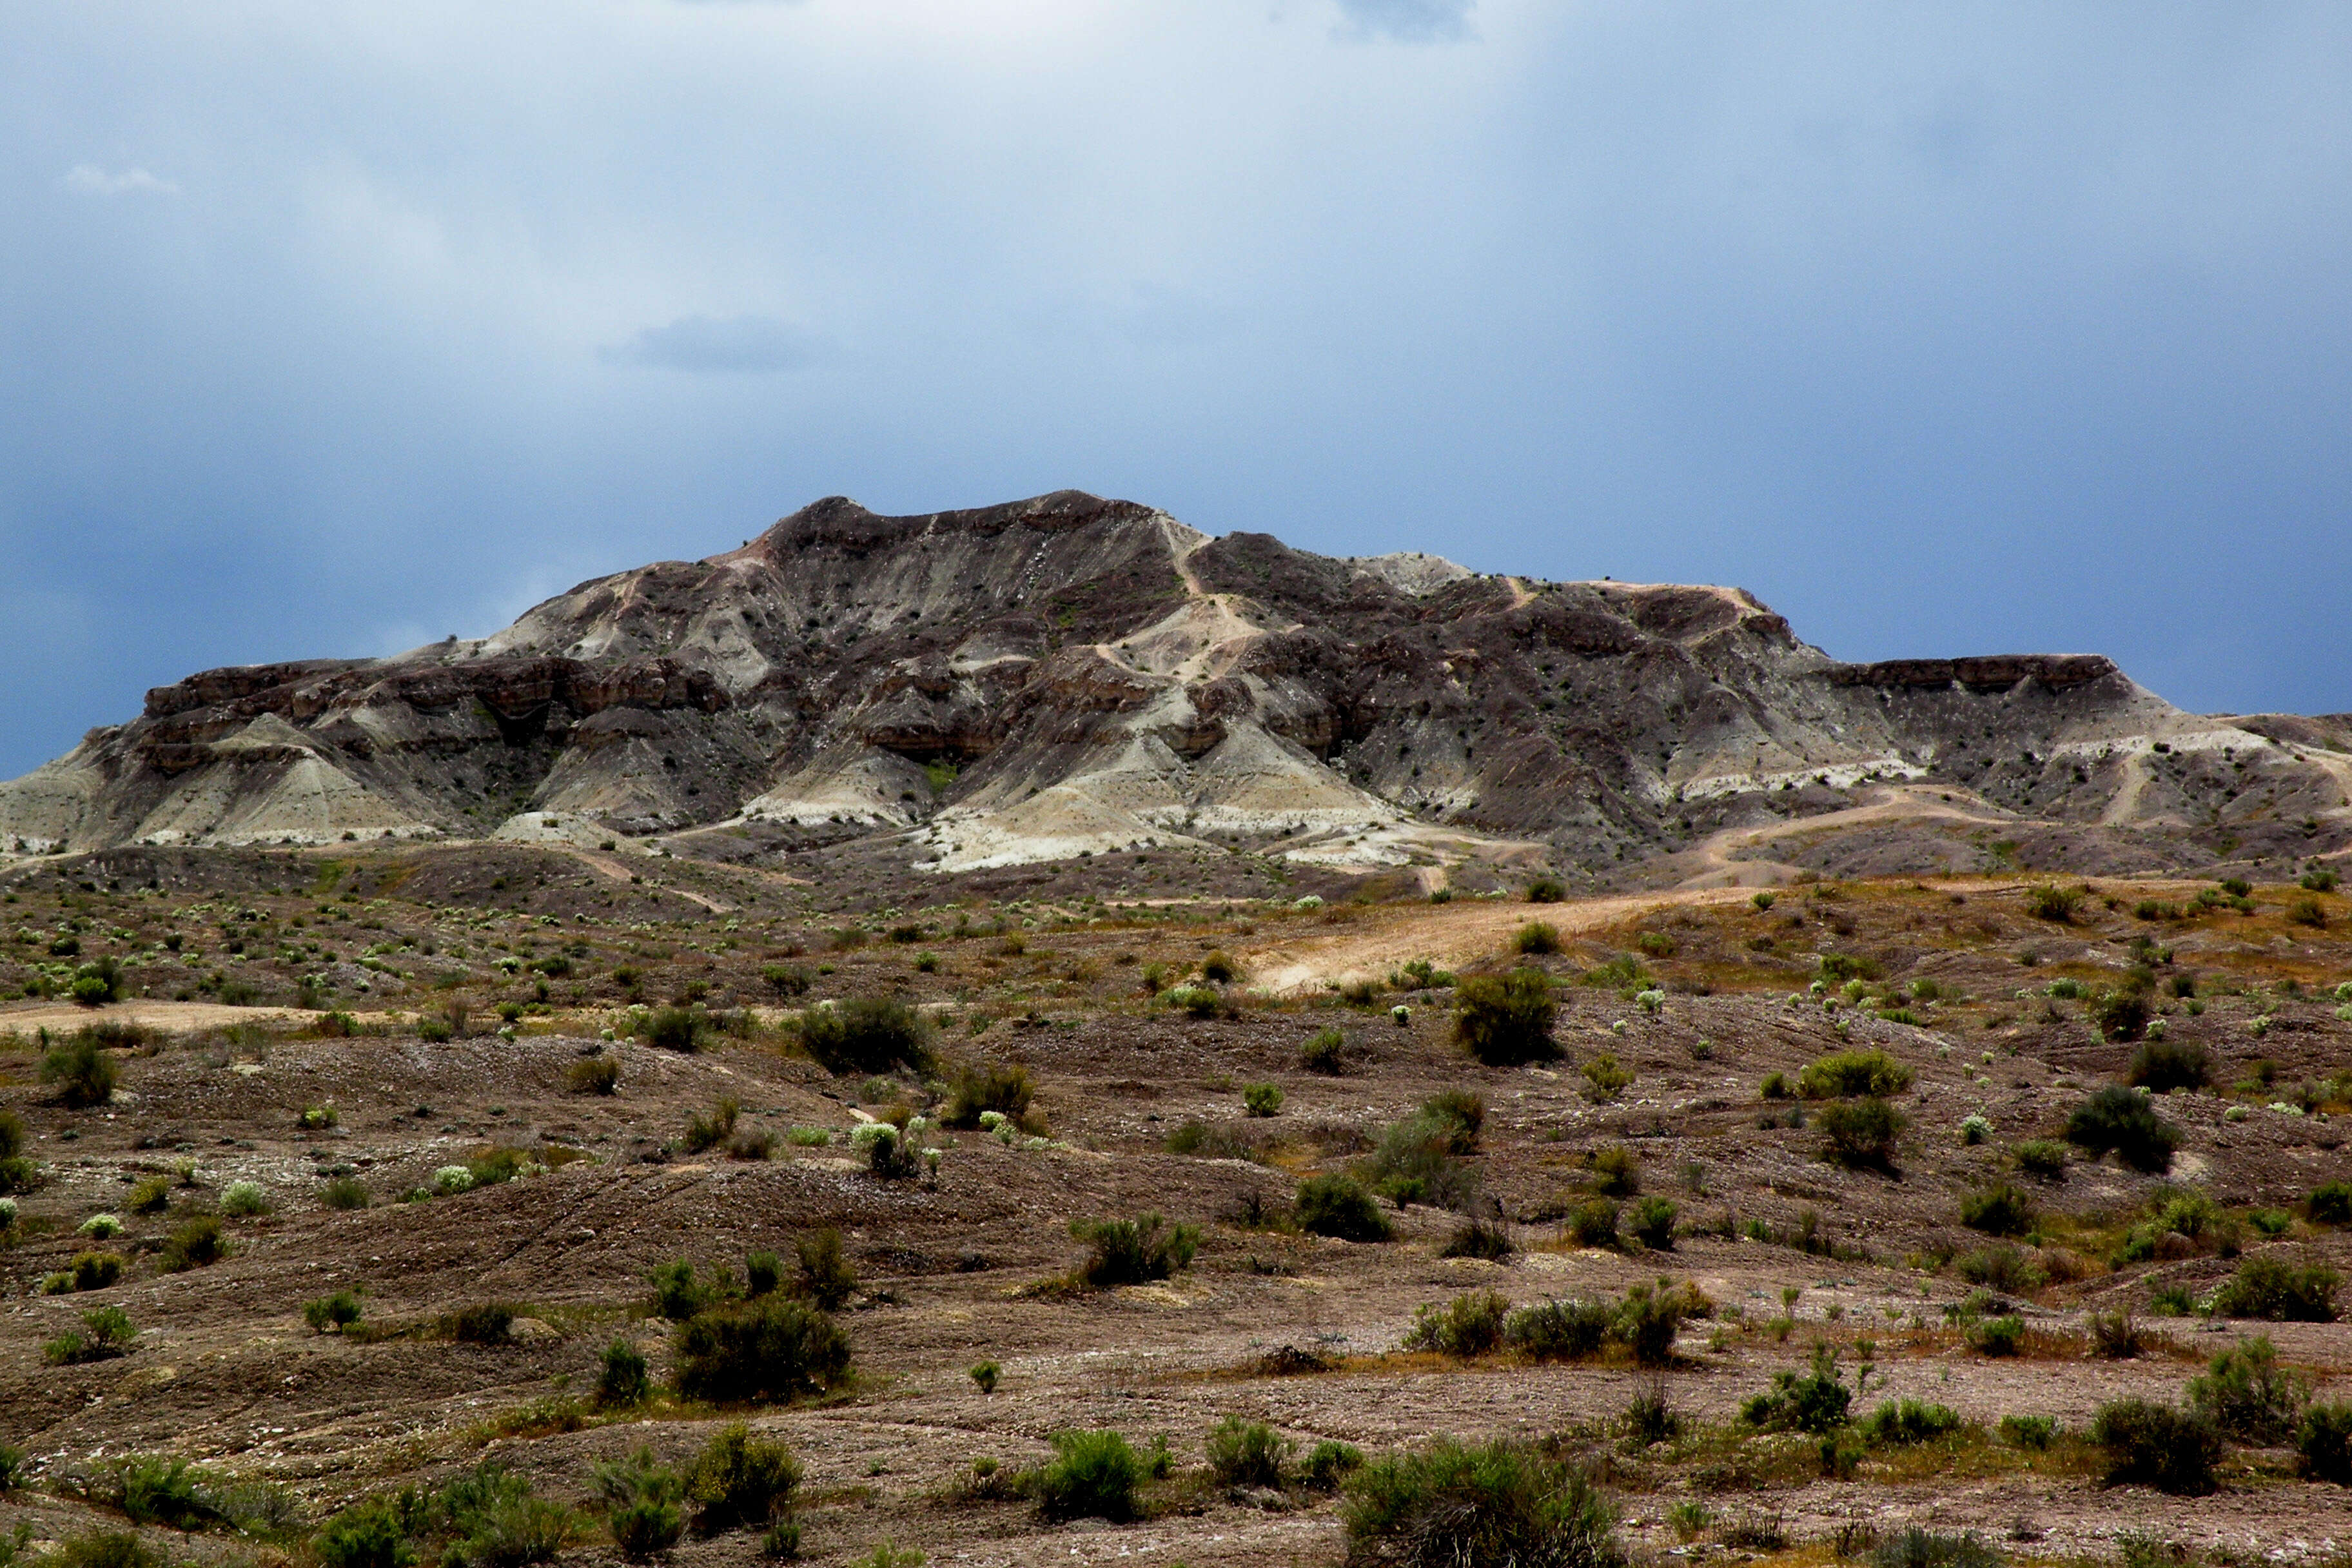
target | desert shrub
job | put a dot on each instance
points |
(1914, 1547)
(84, 1075)
(1653, 1223)
(1605, 1078)
(1616, 1170)
(2002, 1269)
(642, 1499)
(1898, 1423)
(1998, 1210)
(340, 1311)
(2048, 902)
(2325, 1439)
(676, 1029)
(2001, 1336)
(481, 1323)
(1467, 1326)
(2044, 1157)
(2029, 1431)
(164, 1491)
(1648, 1319)
(1537, 937)
(891, 1154)
(2330, 1203)
(984, 1375)
(1814, 1400)
(2118, 1014)
(1328, 1464)
(2117, 1334)
(785, 979)
(1000, 1087)
(1219, 969)
(1421, 1158)
(1092, 1475)
(767, 1350)
(1452, 1503)
(1262, 1099)
(2269, 1287)
(1337, 1205)
(1325, 1052)
(678, 1294)
(2163, 1066)
(2172, 1450)
(195, 1244)
(242, 1200)
(2249, 1395)
(96, 1270)
(2122, 1120)
(1861, 1132)
(1847, 1074)
(1133, 1251)
(2302, 911)
(739, 1479)
(1505, 1021)
(1560, 1331)
(621, 1380)
(343, 1192)
(822, 1273)
(105, 1332)
(1478, 1239)
(867, 1035)
(1546, 890)
(599, 1073)
(1247, 1453)
(1774, 1086)
(369, 1534)
(1198, 1000)
(707, 1131)
(1593, 1223)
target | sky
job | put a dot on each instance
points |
(331, 329)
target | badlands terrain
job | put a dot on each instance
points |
(1039, 1035)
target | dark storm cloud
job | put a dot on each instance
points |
(334, 329)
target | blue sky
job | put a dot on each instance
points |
(331, 329)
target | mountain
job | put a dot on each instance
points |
(1069, 675)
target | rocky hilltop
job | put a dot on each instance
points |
(1070, 675)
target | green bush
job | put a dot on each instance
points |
(599, 1073)
(1899, 1423)
(622, 1381)
(1616, 1170)
(1814, 1400)
(1914, 1547)
(196, 1244)
(2001, 1268)
(1262, 1099)
(1561, 1330)
(1861, 1132)
(1653, 1223)
(244, 1200)
(1199, 1001)
(1593, 1223)
(368, 1534)
(100, 1549)
(84, 1075)
(1537, 937)
(2044, 1157)
(482, 1323)
(2163, 1066)
(1605, 1078)
(105, 1332)
(2324, 1440)
(707, 1131)
(984, 1375)
(2115, 1335)
(96, 1270)
(867, 1035)
(770, 1349)
(1328, 1464)
(1247, 1453)
(2268, 1288)
(676, 1029)
(1847, 1074)
(1467, 1326)
(2330, 1203)
(2029, 1431)
(1219, 969)
(738, 1480)
(1000, 1087)
(1998, 1210)
(2249, 1395)
(1546, 890)
(2000, 1336)
(1505, 1021)
(2047, 901)
(1133, 1251)
(343, 1192)
(680, 1294)
(2172, 1450)
(2118, 1014)
(2123, 1121)
(338, 1312)
(1453, 1503)
(1325, 1052)
(1648, 1319)
(1336, 1206)
(822, 1273)
(1092, 1475)
(1478, 1239)
(641, 1500)
(1421, 1159)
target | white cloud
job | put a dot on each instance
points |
(90, 180)
(1409, 21)
(708, 345)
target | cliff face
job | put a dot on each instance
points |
(1037, 680)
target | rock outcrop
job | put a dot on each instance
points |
(1070, 674)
